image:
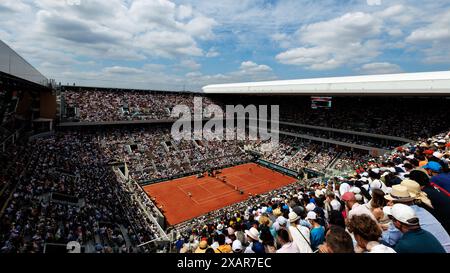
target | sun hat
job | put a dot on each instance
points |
(293, 217)
(399, 193)
(415, 192)
(219, 227)
(252, 233)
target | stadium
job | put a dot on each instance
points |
(361, 160)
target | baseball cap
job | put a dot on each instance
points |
(335, 204)
(434, 166)
(281, 220)
(311, 215)
(404, 214)
(237, 245)
(310, 207)
(348, 196)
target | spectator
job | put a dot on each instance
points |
(439, 200)
(414, 239)
(300, 234)
(223, 247)
(317, 233)
(287, 246)
(337, 240)
(202, 246)
(253, 239)
(367, 233)
(438, 176)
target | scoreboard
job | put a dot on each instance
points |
(321, 102)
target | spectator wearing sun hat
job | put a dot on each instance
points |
(414, 239)
(252, 238)
(300, 234)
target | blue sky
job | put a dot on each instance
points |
(162, 44)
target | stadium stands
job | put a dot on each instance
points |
(66, 187)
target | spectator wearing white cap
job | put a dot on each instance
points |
(317, 233)
(414, 239)
(427, 221)
(237, 246)
(344, 187)
(279, 223)
(300, 234)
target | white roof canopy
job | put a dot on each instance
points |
(427, 83)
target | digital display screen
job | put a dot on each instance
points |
(321, 102)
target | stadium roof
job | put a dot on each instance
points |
(13, 64)
(427, 83)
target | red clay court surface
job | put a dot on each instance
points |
(209, 193)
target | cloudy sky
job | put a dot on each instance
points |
(177, 44)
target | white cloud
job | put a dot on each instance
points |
(184, 12)
(121, 70)
(391, 11)
(433, 39)
(380, 68)
(134, 30)
(249, 67)
(190, 64)
(201, 27)
(340, 41)
(212, 52)
(247, 71)
(373, 2)
(283, 40)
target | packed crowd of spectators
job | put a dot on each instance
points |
(397, 203)
(351, 160)
(295, 154)
(382, 116)
(347, 138)
(153, 154)
(62, 190)
(386, 116)
(125, 105)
